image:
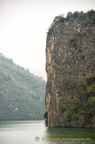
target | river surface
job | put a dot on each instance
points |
(35, 132)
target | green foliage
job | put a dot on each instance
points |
(90, 90)
(60, 105)
(76, 15)
(84, 105)
(90, 96)
(75, 40)
(69, 85)
(74, 116)
(91, 15)
(70, 113)
(59, 18)
(45, 115)
(46, 118)
(69, 15)
(67, 116)
(81, 15)
(90, 79)
(88, 116)
(90, 93)
(22, 95)
(90, 85)
(73, 108)
(92, 100)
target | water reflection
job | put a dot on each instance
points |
(71, 132)
(78, 136)
(35, 132)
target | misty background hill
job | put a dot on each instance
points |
(22, 94)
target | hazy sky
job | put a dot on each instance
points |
(24, 25)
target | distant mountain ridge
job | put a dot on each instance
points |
(22, 94)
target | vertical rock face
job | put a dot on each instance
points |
(70, 67)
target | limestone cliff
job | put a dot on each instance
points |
(70, 67)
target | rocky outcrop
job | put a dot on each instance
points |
(70, 67)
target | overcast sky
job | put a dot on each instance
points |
(24, 25)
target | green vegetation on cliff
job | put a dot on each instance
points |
(22, 94)
(90, 15)
(82, 106)
(70, 67)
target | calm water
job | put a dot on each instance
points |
(25, 132)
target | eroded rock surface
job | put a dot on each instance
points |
(70, 67)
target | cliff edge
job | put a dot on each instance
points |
(70, 67)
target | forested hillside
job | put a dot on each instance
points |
(22, 94)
